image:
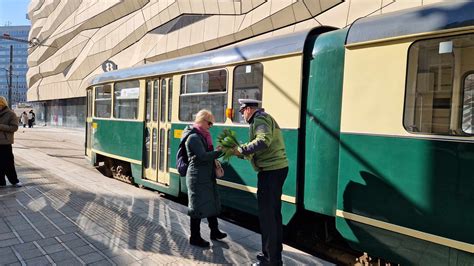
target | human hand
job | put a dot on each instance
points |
(237, 152)
(218, 148)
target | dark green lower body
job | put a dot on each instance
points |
(420, 184)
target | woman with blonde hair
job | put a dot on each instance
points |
(8, 126)
(203, 199)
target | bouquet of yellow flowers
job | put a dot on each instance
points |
(228, 142)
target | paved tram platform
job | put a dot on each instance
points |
(67, 213)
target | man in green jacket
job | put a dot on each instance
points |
(266, 151)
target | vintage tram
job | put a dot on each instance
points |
(377, 121)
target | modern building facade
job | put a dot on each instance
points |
(74, 40)
(19, 65)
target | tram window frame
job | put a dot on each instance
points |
(470, 111)
(427, 95)
(101, 100)
(120, 108)
(218, 106)
(237, 117)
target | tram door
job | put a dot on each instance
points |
(89, 123)
(157, 119)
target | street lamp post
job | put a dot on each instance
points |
(10, 72)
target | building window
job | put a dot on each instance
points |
(438, 95)
(206, 90)
(248, 83)
(126, 96)
(103, 101)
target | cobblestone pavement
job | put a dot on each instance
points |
(67, 213)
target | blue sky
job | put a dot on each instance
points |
(14, 11)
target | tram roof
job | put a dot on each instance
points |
(274, 46)
(412, 21)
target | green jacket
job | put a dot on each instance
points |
(8, 125)
(266, 149)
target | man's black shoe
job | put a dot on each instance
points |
(198, 242)
(216, 235)
(261, 257)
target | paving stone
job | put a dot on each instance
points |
(6, 236)
(61, 256)
(92, 257)
(31, 237)
(14, 264)
(8, 258)
(75, 243)
(47, 242)
(68, 237)
(30, 253)
(5, 251)
(9, 242)
(70, 262)
(53, 248)
(38, 261)
(123, 259)
(101, 263)
(79, 251)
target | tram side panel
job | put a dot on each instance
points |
(404, 190)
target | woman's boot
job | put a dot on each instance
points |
(216, 234)
(196, 239)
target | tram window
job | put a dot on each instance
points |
(248, 83)
(103, 101)
(163, 101)
(126, 99)
(468, 104)
(148, 101)
(162, 150)
(435, 95)
(156, 94)
(207, 90)
(170, 98)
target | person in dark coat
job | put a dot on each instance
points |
(203, 199)
(8, 126)
(31, 118)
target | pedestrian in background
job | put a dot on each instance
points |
(31, 118)
(8, 126)
(266, 151)
(203, 198)
(24, 119)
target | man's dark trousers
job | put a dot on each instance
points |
(7, 165)
(270, 185)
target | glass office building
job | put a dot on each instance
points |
(19, 65)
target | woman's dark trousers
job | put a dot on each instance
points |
(7, 165)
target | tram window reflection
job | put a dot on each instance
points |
(126, 96)
(248, 83)
(435, 95)
(206, 90)
(468, 104)
(103, 101)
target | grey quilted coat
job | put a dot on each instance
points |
(8, 125)
(203, 198)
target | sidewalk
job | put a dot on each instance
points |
(68, 213)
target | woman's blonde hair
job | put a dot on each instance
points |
(3, 102)
(204, 115)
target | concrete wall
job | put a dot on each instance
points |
(75, 37)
